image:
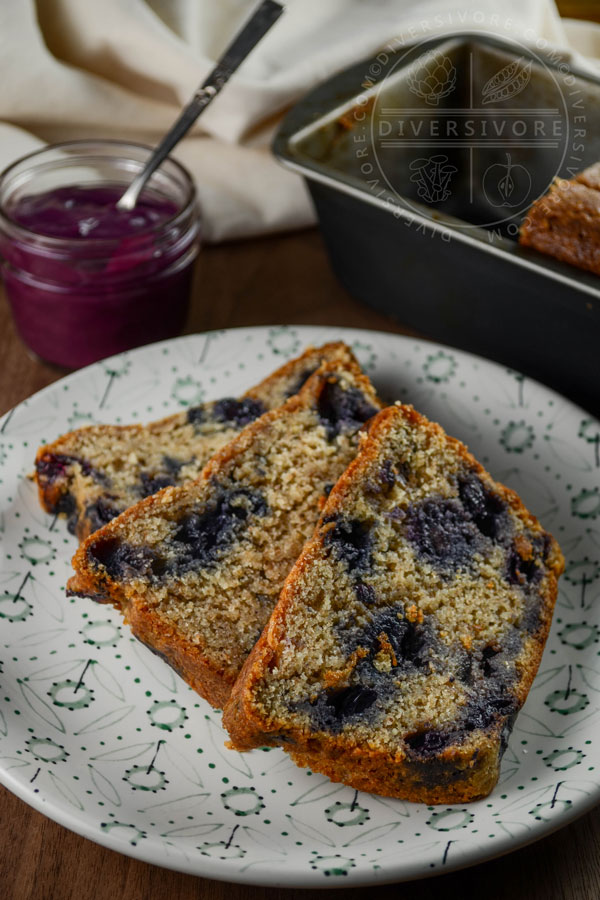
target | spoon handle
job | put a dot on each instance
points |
(255, 28)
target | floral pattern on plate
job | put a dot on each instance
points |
(103, 737)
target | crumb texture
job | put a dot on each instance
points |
(204, 562)
(409, 631)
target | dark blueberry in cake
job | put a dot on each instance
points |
(487, 666)
(351, 541)
(487, 510)
(196, 415)
(204, 535)
(342, 410)
(409, 640)
(365, 593)
(328, 489)
(99, 513)
(66, 504)
(334, 707)
(387, 475)
(531, 618)
(54, 466)
(238, 412)
(521, 571)
(396, 514)
(300, 381)
(173, 465)
(122, 561)
(484, 711)
(443, 533)
(427, 743)
(150, 484)
(464, 671)
(351, 701)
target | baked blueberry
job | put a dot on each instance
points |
(100, 512)
(410, 642)
(443, 533)
(333, 708)
(121, 560)
(487, 510)
(427, 743)
(196, 415)
(483, 711)
(351, 541)
(54, 466)
(365, 593)
(150, 484)
(206, 535)
(343, 408)
(238, 412)
(521, 571)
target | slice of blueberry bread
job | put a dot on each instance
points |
(197, 568)
(93, 474)
(410, 629)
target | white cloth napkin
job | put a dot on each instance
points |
(123, 68)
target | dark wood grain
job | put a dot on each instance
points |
(280, 279)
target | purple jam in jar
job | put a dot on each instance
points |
(85, 279)
(89, 212)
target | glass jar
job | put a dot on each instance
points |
(83, 280)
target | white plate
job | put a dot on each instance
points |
(102, 736)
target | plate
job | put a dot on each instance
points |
(102, 736)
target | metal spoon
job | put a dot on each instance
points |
(255, 28)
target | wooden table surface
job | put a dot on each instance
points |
(284, 279)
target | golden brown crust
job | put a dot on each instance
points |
(458, 774)
(185, 657)
(461, 780)
(565, 223)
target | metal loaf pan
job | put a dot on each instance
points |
(422, 163)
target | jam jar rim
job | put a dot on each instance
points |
(189, 207)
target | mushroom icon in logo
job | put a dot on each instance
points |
(432, 177)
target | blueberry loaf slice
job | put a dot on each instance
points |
(410, 629)
(93, 474)
(197, 568)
